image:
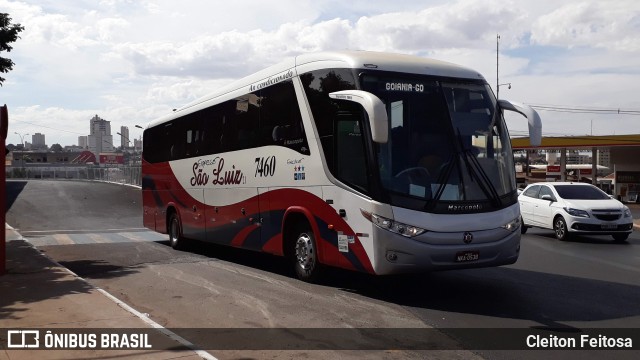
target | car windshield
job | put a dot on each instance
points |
(581, 192)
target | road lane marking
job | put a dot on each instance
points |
(205, 355)
(63, 239)
(94, 238)
(90, 231)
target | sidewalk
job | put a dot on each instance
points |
(37, 293)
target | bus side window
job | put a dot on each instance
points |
(170, 150)
(280, 119)
(212, 130)
(351, 162)
(317, 86)
(228, 135)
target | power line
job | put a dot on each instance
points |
(585, 110)
(48, 127)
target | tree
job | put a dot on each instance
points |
(8, 34)
(56, 148)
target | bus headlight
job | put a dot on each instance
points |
(512, 225)
(393, 226)
(627, 212)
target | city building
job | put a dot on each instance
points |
(124, 137)
(573, 157)
(73, 148)
(578, 158)
(137, 144)
(100, 139)
(604, 157)
(38, 141)
(25, 158)
(83, 142)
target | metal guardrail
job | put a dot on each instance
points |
(121, 174)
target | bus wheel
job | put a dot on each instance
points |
(306, 255)
(175, 232)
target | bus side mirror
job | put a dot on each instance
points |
(535, 124)
(375, 108)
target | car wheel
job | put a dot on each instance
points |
(620, 237)
(175, 232)
(305, 255)
(523, 228)
(560, 228)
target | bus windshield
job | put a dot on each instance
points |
(448, 148)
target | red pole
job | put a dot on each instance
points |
(4, 127)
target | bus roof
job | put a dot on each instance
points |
(303, 63)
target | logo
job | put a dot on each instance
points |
(467, 237)
(462, 208)
(23, 339)
(298, 173)
(62, 339)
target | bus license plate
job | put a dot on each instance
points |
(608, 226)
(465, 256)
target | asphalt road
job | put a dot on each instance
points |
(95, 230)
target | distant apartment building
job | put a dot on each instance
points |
(124, 137)
(137, 144)
(100, 139)
(604, 157)
(38, 141)
(573, 157)
(83, 142)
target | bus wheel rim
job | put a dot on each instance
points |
(304, 251)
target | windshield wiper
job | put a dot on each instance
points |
(494, 194)
(481, 177)
(443, 177)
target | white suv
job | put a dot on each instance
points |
(574, 208)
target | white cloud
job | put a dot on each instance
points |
(131, 61)
(592, 24)
(239, 53)
(109, 28)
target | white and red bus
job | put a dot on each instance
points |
(374, 162)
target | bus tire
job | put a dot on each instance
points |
(175, 232)
(305, 254)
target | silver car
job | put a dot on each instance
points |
(572, 209)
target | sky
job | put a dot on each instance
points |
(130, 62)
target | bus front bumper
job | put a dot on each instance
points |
(396, 254)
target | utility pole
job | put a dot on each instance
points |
(4, 126)
(497, 66)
